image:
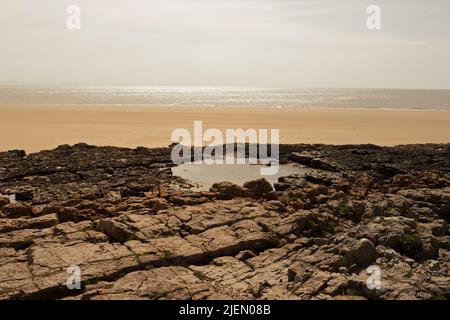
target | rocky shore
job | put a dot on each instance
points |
(137, 232)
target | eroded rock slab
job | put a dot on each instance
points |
(133, 231)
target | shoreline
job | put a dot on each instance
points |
(233, 107)
(43, 127)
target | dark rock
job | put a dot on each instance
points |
(4, 201)
(362, 253)
(257, 188)
(226, 190)
(313, 159)
(15, 210)
(75, 215)
(387, 170)
(24, 195)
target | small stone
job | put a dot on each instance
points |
(343, 270)
(245, 255)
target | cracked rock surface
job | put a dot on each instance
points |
(137, 232)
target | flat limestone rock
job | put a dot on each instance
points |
(135, 231)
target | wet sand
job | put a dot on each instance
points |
(35, 128)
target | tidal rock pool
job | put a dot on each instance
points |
(203, 176)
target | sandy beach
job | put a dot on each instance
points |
(35, 128)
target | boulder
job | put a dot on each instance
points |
(387, 231)
(187, 200)
(226, 190)
(73, 214)
(257, 188)
(115, 230)
(361, 252)
(15, 210)
(158, 204)
(429, 249)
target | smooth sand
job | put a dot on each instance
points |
(34, 128)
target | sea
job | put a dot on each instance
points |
(178, 96)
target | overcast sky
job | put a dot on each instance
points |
(268, 43)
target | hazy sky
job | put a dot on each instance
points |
(270, 43)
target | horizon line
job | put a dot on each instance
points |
(35, 84)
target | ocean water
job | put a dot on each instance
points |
(227, 97)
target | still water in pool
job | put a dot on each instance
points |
(204, 176)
